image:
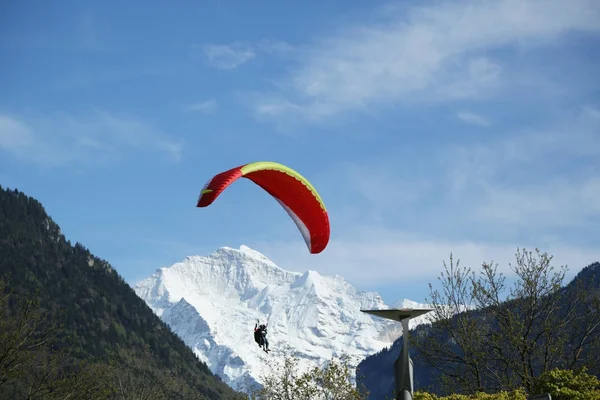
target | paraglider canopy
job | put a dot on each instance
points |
(293, 192)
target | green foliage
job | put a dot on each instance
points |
(518, 394)
(560, 384)
(288, 382)
(71, 324)
(568, 385)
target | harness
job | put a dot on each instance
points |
(257, 335)
(260, 333)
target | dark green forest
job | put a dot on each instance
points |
(73, 328)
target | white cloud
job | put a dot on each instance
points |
(14, 135)
(472, 118)
(277, 47)
(522, 183)
(372, 190)
(481, 200)
(548, 205)
(206, 106)
(563, 138)
(231, 56)
(372, 256)
(98, 137)
(439, 51)
(538, 179)
(227, 56)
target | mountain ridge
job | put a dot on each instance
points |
(310, 315)
(101, 311)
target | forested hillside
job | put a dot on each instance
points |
(68, 315)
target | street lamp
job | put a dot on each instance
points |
(403, 367)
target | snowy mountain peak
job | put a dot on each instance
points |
(212, 302)
(226, 273)
(307, 279)
(243, 251)
(256, 254)
(406, 303)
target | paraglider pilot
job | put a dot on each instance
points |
(260, 336)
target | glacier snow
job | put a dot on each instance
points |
(212, 303)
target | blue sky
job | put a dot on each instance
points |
(470, 127)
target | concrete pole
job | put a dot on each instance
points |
(403, 367)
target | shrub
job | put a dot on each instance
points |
(568, 385)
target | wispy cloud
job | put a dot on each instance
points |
(99, 137)
(231, 56)
(557, 146)
(15, 136)
(541, 178)
(472, 118)
(227, 56)
(207, 106)
(548, 205)
(438, 52)
(369, 254)
(536, 187)
(378, 189)
(372, 256)
(275, 47)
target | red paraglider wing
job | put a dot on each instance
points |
(293, 192)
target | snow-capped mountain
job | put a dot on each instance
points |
(213, 303)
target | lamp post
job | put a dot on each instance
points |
(403, 367)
